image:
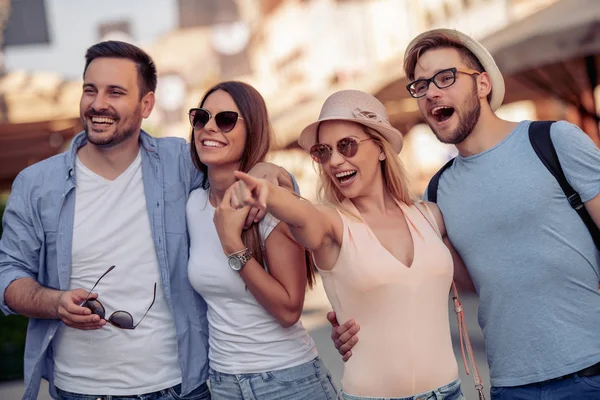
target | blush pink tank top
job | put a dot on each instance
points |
(404, 345)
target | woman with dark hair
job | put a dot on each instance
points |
(255, 285)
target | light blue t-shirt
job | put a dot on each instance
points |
(531, 258)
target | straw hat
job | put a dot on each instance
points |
(482, 54)
(354, 106)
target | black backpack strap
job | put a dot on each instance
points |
(432, 187)
(539, 136)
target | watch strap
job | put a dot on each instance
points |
(243, 256)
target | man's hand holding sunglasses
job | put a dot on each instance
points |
(27, 297)
(70, 310)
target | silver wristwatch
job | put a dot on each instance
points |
(238, 259)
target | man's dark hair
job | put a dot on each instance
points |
(115, 49)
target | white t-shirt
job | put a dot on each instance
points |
(112, 227)
(243, 336)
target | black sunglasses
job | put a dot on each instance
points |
(120, 319)
(443, 79)
(225, 120)
(347, 147)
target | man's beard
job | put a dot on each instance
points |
(129, 129)
(466, 121)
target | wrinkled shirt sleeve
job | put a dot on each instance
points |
(192, 173)
(579, 158)
(19, 246)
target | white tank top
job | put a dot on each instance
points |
(243, 336)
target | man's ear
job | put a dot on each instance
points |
(484, 85)
(147, 104)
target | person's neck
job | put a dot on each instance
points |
(378, 201)
(110, 162)
(489, 131)
(220, 179)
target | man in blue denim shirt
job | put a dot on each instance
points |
(117, 197)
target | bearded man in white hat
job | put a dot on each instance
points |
(534, 261)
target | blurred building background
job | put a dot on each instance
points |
(295, 52)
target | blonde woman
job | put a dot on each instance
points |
(381, 259)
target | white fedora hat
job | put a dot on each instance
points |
(482, 54)
(354, 106)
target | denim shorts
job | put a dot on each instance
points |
(172, 393)
(450, 391)
(308, 381)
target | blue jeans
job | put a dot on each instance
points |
(308, 381)
(574, 387)
(450, 391)
(172, 393)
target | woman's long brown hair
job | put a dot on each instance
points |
(258, 142)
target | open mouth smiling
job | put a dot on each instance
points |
(103, 120)
(441, 113)
(212, 143)
(345, 176)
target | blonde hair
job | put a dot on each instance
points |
(394, 176)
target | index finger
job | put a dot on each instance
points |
(83, 319)
(91, 296)
(77, 309)
(80, 295)
(250, 181)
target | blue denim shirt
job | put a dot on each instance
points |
(38, 236)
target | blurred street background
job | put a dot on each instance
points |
(296, 53)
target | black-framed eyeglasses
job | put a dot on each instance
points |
(441, 79)
(347, 147)
(225, 120)
(120, 319)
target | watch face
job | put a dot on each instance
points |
(235, 263)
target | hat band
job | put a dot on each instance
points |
(355, 113)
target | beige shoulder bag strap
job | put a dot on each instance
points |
(465, 341)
